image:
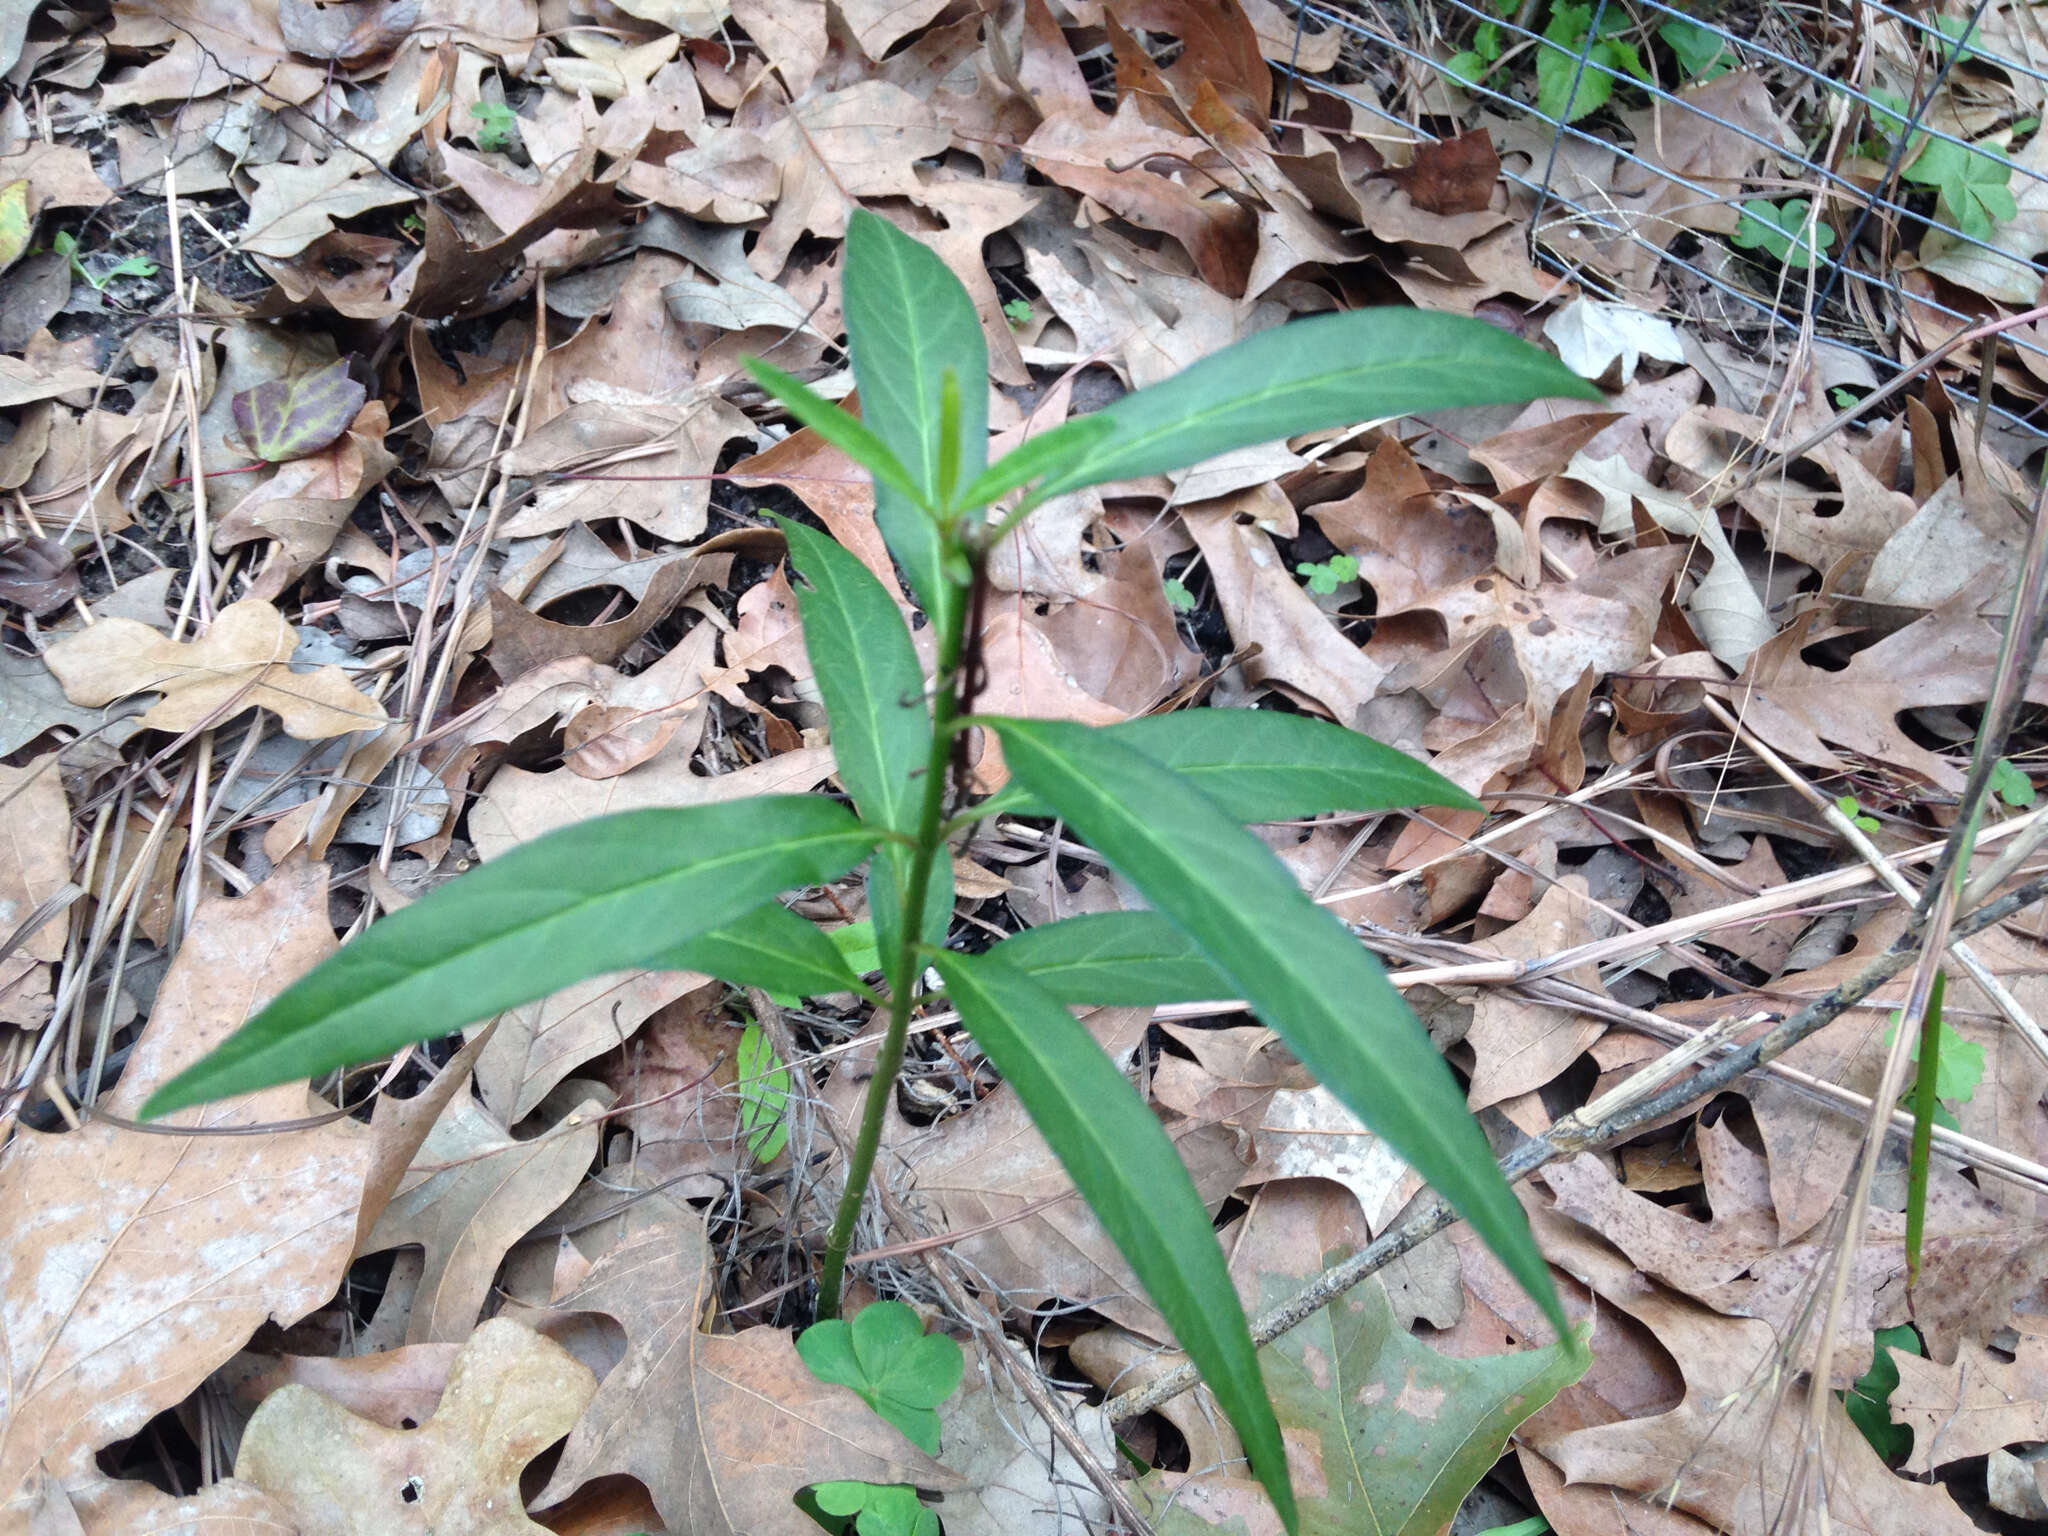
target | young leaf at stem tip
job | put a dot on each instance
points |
(842, 429)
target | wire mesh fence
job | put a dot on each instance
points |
(1846, 186)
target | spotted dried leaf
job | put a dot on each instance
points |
(221, 1232)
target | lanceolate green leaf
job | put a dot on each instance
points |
(1047, 453)
(1299, 967)
(1122, 959)
(842, 429)
(907, 321)
(604, 895)
(1329, 371)
(869, 676)
(769, 947)
(1127, 1170)
(1266, 765)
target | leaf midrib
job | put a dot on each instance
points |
(736, 856)
(1274, 956)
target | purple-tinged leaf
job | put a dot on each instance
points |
(295, 418)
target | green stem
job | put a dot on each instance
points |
(1923, 1124)
(902, 969)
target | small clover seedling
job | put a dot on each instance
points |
(1177, 594)
(1577, 66)
(877, 1509)
(497, 125)
(1849, 807)
(885, 1355)
(1780, 230)
(1973, 187)
(1017, 312)
(1325, 578)
(2011, 785)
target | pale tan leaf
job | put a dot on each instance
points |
(511, 1394)
(239, 663)
(222, 1232)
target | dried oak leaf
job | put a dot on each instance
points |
(157, 1256)
(304, 504)
(1729, 1453)
(477, 1192)
(351, 32)
(511, 1394)
(722, 1429)
(1383, 1433)
(1979, 1404)
(1946, 658)
(35, 866)
(1451, 175)
(240, 663)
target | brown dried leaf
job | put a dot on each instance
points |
(1980, 1403)
(1523, 1045)
(1729, 1452)
(238, 664)
(1111, 159)
(985, 1166)
(35, 865)
(37, 574)
(1451, 175)
(475, 1193)
(520, 805)
(303, 505)
(222, 1232)
(511, 1394)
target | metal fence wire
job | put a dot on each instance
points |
(1846, 183)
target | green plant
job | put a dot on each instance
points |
(1576, 65)
(1781, 230)
(1869, 1401)
(1330, 574)
(1849, 806)
(885, 1355)
(1178, 595)
(1973, 186)
(65, 244)
(1702, 53)
(497, 125)
(764, 1095)
(1164, 799)
(876, 1509)
(1017, 312)
(2011, 784)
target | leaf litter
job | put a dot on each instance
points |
(384, 490)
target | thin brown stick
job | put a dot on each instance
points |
(1582, 1132)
